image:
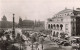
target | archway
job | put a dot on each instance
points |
(54, 34)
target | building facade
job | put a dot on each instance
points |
(4, 23)
(25, 23)
(66, 21)
(36, 25)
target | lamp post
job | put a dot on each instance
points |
(13, 26)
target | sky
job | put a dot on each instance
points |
(34, 9)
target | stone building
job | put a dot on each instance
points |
(66, 21)
(25, 23)
(30, 24)
(4, 23)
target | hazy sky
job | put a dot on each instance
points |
(34, 9)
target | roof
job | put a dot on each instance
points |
(65, 11)
(62, 12)
(28, 21)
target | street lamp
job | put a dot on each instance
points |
(13, 32)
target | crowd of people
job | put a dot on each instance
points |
(7, 36)
(6, 40)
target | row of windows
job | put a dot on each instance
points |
(73, 19)
(55, 34)
(58, 20)
(66, 14)
(53, 26)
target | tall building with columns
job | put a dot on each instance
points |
(66, 21)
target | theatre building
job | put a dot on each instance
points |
(66, 21)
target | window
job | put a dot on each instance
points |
(74, 19)
(67, 14)
(61, 26)
(66, 28)
(60, 15)
(57, 26)
(49, 26)
(61, 19)
(53, 33)
(57, 19)
(66, 25)
(73, 28)
(54, 26)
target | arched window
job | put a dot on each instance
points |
(51, 26)
(54, 34)
(54, 26)
(48, 26)
(61, 26)
(57, 26)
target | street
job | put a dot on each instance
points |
(50, 45)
